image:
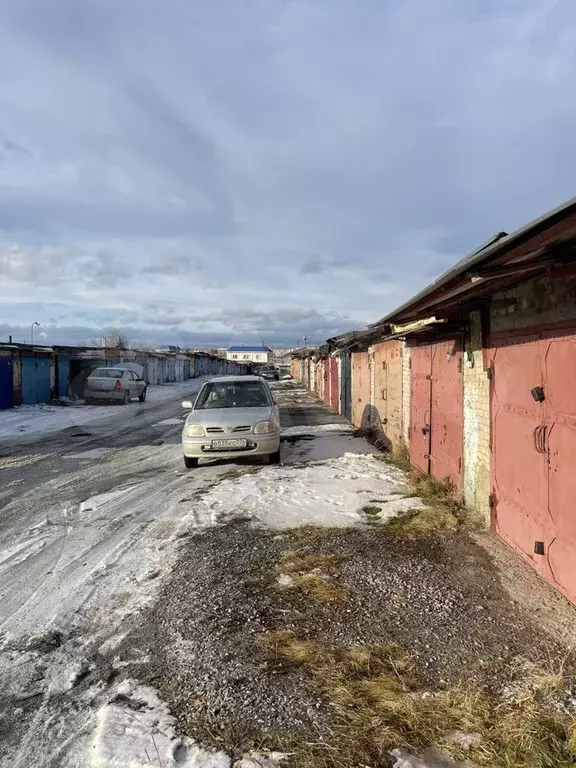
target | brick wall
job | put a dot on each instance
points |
(476, 422)
(406, 391)
(539, 301)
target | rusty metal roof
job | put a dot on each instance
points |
(503, 260)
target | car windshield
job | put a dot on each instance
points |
(233, 394)
(106, 373)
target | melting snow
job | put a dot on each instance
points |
(316, 429)
(330, 493)
(35, 419)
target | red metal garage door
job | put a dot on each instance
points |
(436, 410)
(447, 432)
(326, 392)
(534, 450)
(420, 404)
(334, 393)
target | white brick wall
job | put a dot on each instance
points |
(476, 423)
(406, 391)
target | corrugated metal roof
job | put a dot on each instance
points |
(494, 248)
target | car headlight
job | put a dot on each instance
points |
(264, 427)
(194, 430)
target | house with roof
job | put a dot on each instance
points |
(245, 354)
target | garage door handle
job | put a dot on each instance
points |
(385, 393)
(539, 436)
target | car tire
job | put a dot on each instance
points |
(274, 458)
(190, 463)
(126, 399)
(142, 397)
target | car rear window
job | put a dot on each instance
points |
(106, 373)
(235, 394)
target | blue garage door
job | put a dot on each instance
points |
(35, 380)
(63, 369)
(6, 383)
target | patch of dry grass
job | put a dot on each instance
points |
(418, 522)
(443, 508)
(378, 704)
(292, 561)
(311, 534)
(310, 573)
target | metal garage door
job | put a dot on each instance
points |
(387, 371)
(334, 388)
(6, 383)
(35, 380)
(326, 372)
(361, 389)
(346, 385)
(436, 410)
(534, 450)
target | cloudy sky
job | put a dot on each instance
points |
(210, 171)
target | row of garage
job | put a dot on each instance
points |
(33, 375)
(475, 378)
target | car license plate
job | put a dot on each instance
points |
(228, 443)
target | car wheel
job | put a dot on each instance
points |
(126, 399)
(190, 463)
(274, 458)
(143, 395)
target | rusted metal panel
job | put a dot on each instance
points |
(387, 375)
(326, 375)
(334, 380)
(420, 407)
(534, 449)
(447, 411)
(436, 410)
(361, 389)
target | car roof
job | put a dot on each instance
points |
(230, 379)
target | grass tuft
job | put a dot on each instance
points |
(378, 703)
(310, 574)
(371, 511)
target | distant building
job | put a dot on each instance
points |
(242, 354)
(168, 348)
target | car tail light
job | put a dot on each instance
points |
(118, 384)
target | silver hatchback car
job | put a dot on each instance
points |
(118, 384)
(232, 417)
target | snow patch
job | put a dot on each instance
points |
(136, 730)
(102, 499)
(316, 429)
(330, 493)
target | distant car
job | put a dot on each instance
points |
(232, 417)
(269, 373)
(119, 383)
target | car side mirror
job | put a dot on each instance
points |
(187, 404)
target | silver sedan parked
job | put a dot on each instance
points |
(115, 384)
(232, 417)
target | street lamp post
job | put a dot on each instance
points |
(32, 333)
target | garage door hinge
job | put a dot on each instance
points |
(490, 372)
(491, 501)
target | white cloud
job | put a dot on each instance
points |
(242, 160)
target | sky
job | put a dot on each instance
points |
(208, 172)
